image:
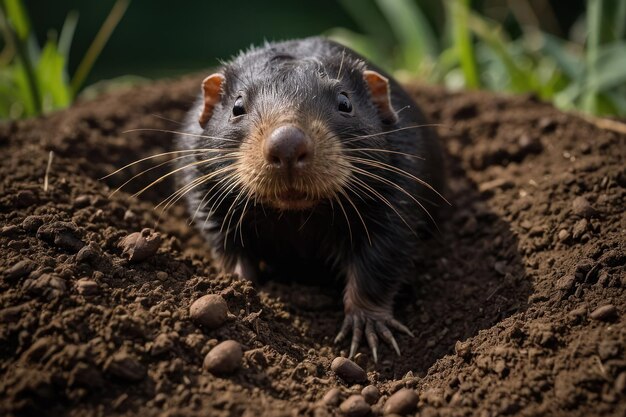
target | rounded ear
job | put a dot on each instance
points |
(212, 93)
(381, 95)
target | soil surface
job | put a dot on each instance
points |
(518, 307)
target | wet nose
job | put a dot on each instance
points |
(288, 147)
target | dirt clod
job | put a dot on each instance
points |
(402, 402)
(139, 246)
(86, 286)
(210, 311)
(332, 398)
(225, 358)
(604, 313)
(19, 269)
(64, 235)
(46, 285)
(355, 406)
(348, 370)
(582, 208)
(124, 366)
(371, 394)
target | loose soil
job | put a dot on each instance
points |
(504, 307)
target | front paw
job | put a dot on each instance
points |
(374, 325)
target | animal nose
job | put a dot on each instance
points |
(288, 147)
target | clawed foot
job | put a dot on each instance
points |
(374, 326)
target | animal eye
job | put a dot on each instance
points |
(343, 103)
(238, 108)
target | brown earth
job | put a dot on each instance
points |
(504, 308)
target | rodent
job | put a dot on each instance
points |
(303, 153)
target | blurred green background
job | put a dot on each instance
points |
(572, 53)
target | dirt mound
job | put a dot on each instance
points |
(518, 308)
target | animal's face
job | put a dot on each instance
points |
(290, 132)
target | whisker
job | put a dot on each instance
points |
(384, 200)
(145, 171)
(152, 157)
(166, 119)
(355, 138)
(385, 166)
(160, 179)
(346, 216)
(393, 184)
(383, 151)
(175, 132)
(358, 213)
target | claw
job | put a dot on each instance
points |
(357, 334)
(372, 339)
(387, 336)
(345, 327)
(399, 326)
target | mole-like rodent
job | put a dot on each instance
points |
(301, 155)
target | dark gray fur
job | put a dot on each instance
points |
(302, 73)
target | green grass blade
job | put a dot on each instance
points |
(594, 28)
(16, 13)
(103, 35)
(67, 34)
(412, 31)
(27, 74)
(52, 79)
(610, 67)
(491, 35)
(458, 13)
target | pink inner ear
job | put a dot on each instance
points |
(212, 90)
(381, 95)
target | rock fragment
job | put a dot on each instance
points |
(210, 311)
(348, 370)
(140, 246)
(604, 313)
(355, 406)
(371, 394)
(582, 208)
(332, 397)
(402, 402)
(225, 358)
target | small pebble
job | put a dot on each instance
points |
(86, 286)
(140, 246)
(371, 394)
(348, 370)
(604, 313)
(124, 366)
(332, 397)
(582, 208)
(402, 402)
(161, 275)
(355, 406)
(210, 311)
(563, 235)
(225, 358)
